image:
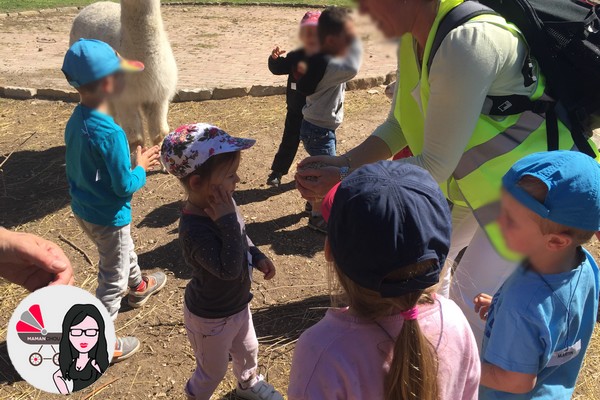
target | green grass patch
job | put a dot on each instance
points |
(21, 5)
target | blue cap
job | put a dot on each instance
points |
(386, 216)
(573, 182)
(89, 60)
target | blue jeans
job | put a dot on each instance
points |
(317, 141)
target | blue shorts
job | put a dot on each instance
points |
(317, 141)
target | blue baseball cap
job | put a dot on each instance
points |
(384, 217)
(573, 182)
(89, 60)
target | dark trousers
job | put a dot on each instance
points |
(289, 143)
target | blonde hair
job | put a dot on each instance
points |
(414, 365)
(538, 190)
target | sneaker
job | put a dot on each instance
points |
(317, 223)
(274, 179)
(261, 390)
(154, 283)
(125, 347)
(308, 208)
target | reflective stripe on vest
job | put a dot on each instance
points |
(495, 145)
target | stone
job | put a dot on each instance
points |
(58, 94)
(261, 90)
(390, 77)
(229, 93)
(20, 93)
(192, 95)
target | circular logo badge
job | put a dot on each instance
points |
(60, 339)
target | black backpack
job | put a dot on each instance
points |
(564, 38)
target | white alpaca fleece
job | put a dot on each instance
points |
(135, 29)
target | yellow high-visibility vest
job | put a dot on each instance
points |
(495, 145)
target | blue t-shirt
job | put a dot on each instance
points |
(99, 170)
(542, 324)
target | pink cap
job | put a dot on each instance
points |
(328, 202)
(311, 18)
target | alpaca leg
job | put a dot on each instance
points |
(130, 119)
(156, 115)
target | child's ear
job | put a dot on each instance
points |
(195, 183)
(328, 253)
(558, 241)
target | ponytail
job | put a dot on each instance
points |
(413, 369)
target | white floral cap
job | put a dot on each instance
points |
(189, 146)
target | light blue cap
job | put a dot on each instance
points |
(573, 181)
(89, 60)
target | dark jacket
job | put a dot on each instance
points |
(287, 66)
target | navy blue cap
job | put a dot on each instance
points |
(573, 182)
(386, 216)
(89, 60)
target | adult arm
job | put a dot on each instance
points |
(223, 258)
(114, 150)
(60, 382)
(33, 262)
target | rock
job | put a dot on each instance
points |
(20, 93)
(390, 77)
(193, 95)
(58, 94)
(228, 93)
(260, 90)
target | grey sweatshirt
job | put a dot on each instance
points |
(324, 85)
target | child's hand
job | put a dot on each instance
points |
(148, 158)
(267, 267)
(277, 52)
(220, 203)
(482, 305)
(301, 68)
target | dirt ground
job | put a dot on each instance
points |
(34, 198)
(215, 46)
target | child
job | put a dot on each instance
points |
(388, 236)
(295, 100)
(215, 245)
(540, 322)
(101, 178)
(324, 83)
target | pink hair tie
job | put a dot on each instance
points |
(411, 314)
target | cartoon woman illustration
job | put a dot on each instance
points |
(83, 351)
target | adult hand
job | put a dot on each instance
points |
(148, 158)
(316, 183)
(482, 305)
(277, 52)
(267, 267)
(220, 203)
(33, 262)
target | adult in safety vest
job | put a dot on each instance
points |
(439, 113)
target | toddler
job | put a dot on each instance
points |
(295, 100)
(388, 237)
(215, 245)
(323, 81)
(540, 322)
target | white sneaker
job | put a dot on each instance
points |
(261, 390)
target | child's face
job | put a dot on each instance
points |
(337, 45)
(309, 39)
(228, 178)
(520, 227)
(115, 84)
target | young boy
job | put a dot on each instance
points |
(324, 83)
(540, 322)
(295, 100)
(101, 178)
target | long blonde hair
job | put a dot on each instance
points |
(414, 365)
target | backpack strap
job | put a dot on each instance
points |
(459, 15)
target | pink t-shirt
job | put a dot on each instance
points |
(344, 357)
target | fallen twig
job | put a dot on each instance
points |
(99, 389)
(79, 249)
(15, 149)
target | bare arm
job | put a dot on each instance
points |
(497, 378)
(60, 382)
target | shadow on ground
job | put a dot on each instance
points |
(257, 195)
(32, 185)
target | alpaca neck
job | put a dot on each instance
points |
(141, 18)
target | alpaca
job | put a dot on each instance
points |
(135, 29)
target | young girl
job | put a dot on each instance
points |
(214, 242)
(388, 236)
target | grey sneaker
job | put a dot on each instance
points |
(154, 283)
(125, 347)
(261, 390)
(274, 179)
(317, 223)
